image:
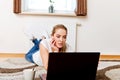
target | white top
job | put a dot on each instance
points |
(46, 43)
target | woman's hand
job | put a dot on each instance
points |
(53, 45)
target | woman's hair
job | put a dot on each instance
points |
(60, 26)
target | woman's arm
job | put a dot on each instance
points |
(44, 55)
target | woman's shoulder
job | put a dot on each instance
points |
(45, 41)
(46, 44)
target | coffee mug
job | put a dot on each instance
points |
(28, 74)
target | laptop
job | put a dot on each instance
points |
(73, 66)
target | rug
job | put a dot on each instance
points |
(12, 68)
(12, 65)
(109, 73)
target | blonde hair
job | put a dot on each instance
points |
(60, 26)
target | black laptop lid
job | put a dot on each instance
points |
(73, 66)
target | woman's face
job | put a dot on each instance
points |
(60, 36)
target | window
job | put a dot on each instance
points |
(78, 7)
(59, 5)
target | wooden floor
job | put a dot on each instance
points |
(102, 57)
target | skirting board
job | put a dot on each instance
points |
(109, 57)
(6, 55)
(102, 57)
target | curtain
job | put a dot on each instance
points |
(81, 8)
(17, 6)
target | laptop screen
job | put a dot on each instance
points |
(72, 66)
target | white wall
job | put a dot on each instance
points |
(99, 30)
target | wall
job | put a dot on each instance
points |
(99, 30)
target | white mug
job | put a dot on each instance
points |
(28, 74)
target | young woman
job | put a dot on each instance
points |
(57, 43)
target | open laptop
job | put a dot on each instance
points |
(72, 66)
